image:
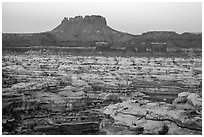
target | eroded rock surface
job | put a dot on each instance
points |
(139, 117)
(46, 93)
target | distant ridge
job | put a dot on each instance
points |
(87, 31)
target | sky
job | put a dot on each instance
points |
(130, 17)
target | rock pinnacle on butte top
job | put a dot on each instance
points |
(88, 28)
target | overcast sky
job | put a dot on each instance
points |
(134, 18)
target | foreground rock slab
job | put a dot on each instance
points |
(139, 117)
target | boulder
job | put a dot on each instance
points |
(72, 92)
(112, 97)
(195, 100)
(183, 94)
(188, 100)
(79, 83)
(179, 100)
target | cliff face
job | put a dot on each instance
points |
(89, 28)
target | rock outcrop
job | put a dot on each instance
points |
(188, 100)
(89, 28)
(146, 117)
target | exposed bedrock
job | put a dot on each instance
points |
(145, 117)
(45, 93)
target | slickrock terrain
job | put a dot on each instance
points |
(47, 93)
(138, 116)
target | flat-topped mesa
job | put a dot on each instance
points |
(88, 29)
(160, 34)
(87, 19)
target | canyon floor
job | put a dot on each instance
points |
(45, 93)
